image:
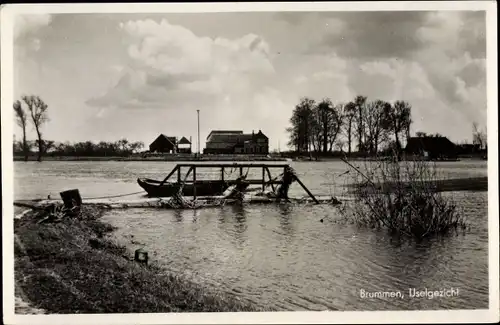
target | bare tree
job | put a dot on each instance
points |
(22, 120)
(478, 136)
(301, 120)
(349, 115)
(399, 116)
(326, 124)
(376, 124)
(38, 112)
(360, 104)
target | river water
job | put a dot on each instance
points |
(283, 256)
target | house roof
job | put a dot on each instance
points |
(217, 132)
(183, 140)
(432, 144)
(163, 138)
(234, 136)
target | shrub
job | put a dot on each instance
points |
(402, 197)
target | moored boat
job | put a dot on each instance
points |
(156, 188)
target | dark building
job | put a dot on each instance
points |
(468, 149)
(431, 147)
(164, 144)
(184, 146)
(236, 142)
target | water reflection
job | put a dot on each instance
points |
(240, 223)
(286, 221)
(178, 215)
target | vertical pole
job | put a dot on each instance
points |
(199, 150)
(241, 171)
(222, 174)
(263, 178)
(179, 175)
(270, 178)
(194, 182)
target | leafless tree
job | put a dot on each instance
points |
(38, 112)
(301, 120)
(326, 123)
(399, 116)
(478, 136)
(360, 104)
(376, 124)
(22, 120)
(349, 116)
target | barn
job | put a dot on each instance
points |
(164, 144)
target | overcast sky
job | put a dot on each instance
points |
(107, 76)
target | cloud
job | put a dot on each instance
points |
(434, 60)
(26, 30)
(170, 66)
(27, 24)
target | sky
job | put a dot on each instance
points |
(112, 76)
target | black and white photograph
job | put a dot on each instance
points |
(223, 162)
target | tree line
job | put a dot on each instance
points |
(122, 147)
(367, 126)
(32, 109)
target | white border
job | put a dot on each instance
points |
(472, 316)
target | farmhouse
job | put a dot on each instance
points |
(166, 144)
(236, 142)
(433, 147)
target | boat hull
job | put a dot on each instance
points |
(154, 188)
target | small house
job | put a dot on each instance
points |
(164, 144)
(433, 147)
(184, 146)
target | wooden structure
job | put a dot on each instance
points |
(237, 142)
(196, 187)
(164, 144)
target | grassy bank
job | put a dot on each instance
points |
(71, 267)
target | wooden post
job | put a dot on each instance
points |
(241, 171)
(222, 174)
(72, 200)
(141, 256)
(270, 178)
(179, 175)
(305, 188)
(263, 179)
(194, 182)
(168, 176)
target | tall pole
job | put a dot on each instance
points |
(198, 111)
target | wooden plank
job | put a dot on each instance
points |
(234, 165)
(233, 181)
(168, 176)
(307, 191)
(194, 182)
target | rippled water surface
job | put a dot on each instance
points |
(283, 256)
